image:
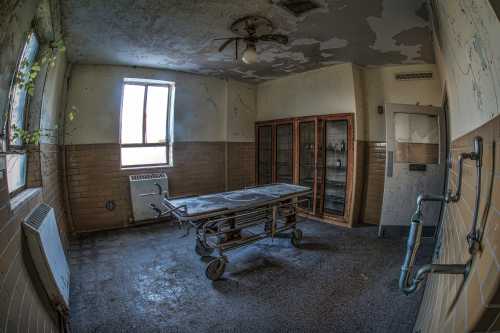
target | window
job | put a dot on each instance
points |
(18, 104)
(146, 134)
(417, 138)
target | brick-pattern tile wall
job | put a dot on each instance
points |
(94, 176)
(33, 172)
(51, 178)
(373, 191)
(449, 303)
(44, 170)
(23, 305)
(240, 164)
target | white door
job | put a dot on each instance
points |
(415, 162)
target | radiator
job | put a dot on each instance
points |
(48, 255)
(146, 190)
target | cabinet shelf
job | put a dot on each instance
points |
(337, 151)
(334, 167)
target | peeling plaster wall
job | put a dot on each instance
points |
(360, 102)
(348, 88)
(96, 90)
(241, 111)
(52, 104)
(468, 53)
(380, 86)
(323, 91)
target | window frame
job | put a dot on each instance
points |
(12, 149)
(146, 83)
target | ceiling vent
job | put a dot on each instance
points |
(414, 76)
(299, 7)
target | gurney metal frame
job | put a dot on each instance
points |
(224, 230)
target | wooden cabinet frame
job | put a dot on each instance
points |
(319, 161)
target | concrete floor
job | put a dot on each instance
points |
(149, 279)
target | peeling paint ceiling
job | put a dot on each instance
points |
(179, 35)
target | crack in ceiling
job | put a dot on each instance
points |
(179, 35)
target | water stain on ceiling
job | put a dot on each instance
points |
(179, 35)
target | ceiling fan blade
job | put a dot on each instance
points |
(223, 38)
(282, 39)
(227, 42)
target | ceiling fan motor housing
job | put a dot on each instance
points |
(252, 25)
(252, 29)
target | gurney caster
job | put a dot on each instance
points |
(296, 237)
(202, 250)
(215, 269)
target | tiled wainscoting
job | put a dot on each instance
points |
(240, 164)
(451, 304)
(45, 171)
(24, 305)
(374, 177)
(95, 176)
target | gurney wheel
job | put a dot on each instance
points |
(215, 269)
(202, 250)
(296, 237)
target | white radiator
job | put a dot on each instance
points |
(46, 249)
(146, 190)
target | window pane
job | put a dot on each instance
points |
(132, 113)
(144, 156)
(417, 138)
(156, 114)
(19, 95)
(16, 171)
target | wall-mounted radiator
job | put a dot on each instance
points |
(46, 249)
(146, 190)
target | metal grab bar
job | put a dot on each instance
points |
(476, 155)
(473, 236)
(408, 285)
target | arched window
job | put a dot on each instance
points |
(17, 116)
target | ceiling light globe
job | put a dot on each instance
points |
(250, 55)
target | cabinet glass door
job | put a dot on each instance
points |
(265, 156)
(284, 153)
(307, 140)
(335, 166)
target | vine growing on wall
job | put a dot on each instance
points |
(26, 77)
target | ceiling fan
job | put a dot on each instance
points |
(251, 30)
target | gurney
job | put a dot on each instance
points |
(229, 220)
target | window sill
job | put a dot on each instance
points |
(151, 167)
(24, 197)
